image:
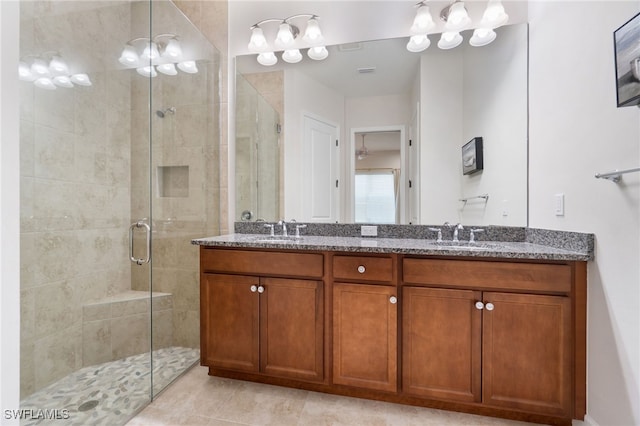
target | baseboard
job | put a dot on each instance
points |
(588, 421)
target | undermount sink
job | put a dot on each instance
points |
(463, 247)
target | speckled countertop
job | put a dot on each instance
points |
(418, 246)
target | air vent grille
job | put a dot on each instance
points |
(366, 70)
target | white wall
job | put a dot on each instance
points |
(9, 211)
(575, 131)
(303, 95)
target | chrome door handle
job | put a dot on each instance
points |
(147, 229)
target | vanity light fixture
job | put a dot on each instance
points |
(456, 19)
(49, 71)
(287, 41)
(160, 54)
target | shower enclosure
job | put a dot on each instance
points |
(119, 139)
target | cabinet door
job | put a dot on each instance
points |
(291, 328)
(527, 352)
(441, 343)
(229, 321)
(365, 336)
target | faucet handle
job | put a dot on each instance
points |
(472, 236)
(298, 228)
(270, 226)
(439, 231)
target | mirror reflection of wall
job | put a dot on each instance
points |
(442, 99)
(258, 154)
(377, 178)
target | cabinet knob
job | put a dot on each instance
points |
(393, 300)
(260, 289)
(254, 288)
(489, 306)
(361, 269)
(479, 305)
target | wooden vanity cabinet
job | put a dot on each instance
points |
(365, 321)
(505, 349)
(262, 324)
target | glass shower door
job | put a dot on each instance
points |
(118, 162)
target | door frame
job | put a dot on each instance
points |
(351, 168)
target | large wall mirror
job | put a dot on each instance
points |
(375, 133)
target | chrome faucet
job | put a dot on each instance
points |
(457, 228)
(284, 228)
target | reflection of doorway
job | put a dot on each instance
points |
(378, 193)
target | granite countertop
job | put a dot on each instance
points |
(417, 246)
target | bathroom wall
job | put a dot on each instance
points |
(575, 131)
(74, 166)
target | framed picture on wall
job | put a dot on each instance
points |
(626, 43)
(472, 156)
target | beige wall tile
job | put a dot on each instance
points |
(96, 342)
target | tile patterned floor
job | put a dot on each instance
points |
(197, 399)
(121, 388)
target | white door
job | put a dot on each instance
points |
(321, 184)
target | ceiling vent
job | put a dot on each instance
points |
(366, 70)
(349, 47)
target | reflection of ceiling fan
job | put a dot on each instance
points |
(362, 152)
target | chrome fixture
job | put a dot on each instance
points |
(298, 228)
(439, 238)
(162, 113)
(456, 228)
(472, 236)
(161, 53)
(456, 18)
(271, 231)
(286, 41)
(485, 197)
(284, 228)
(362, 152)
(49, 71)
(616, 176)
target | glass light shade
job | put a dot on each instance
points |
(312, 34)
(284, 38)
(45, 83)
(81, 79)
(148, 71)
(62, 81)
(418, 43)
(292, 56)
(318, 53)
(449, 40)
(150, 51)
(57, 66)
(258, 42)
(423, 22)
(458, 18)
(167, 69)
(189, 67)
(172, 50)
(494, 15)
(129, 56)
(267, 59)
(24, 72)
(482, 37)
(39, 68)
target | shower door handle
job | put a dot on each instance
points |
(147, 230)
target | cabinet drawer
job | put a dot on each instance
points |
(489, 275)
(262, 262)
(363, 268)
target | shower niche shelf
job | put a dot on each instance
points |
(173, 181)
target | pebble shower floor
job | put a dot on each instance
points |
(110, 393)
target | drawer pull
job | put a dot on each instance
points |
(254, 288)
(489, 306)
(260, 289)
(393, 300)
(479, 305)
(361, 269)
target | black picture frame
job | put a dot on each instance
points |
(626, 47)
(472, 159)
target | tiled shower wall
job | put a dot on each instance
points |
(75, 201)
